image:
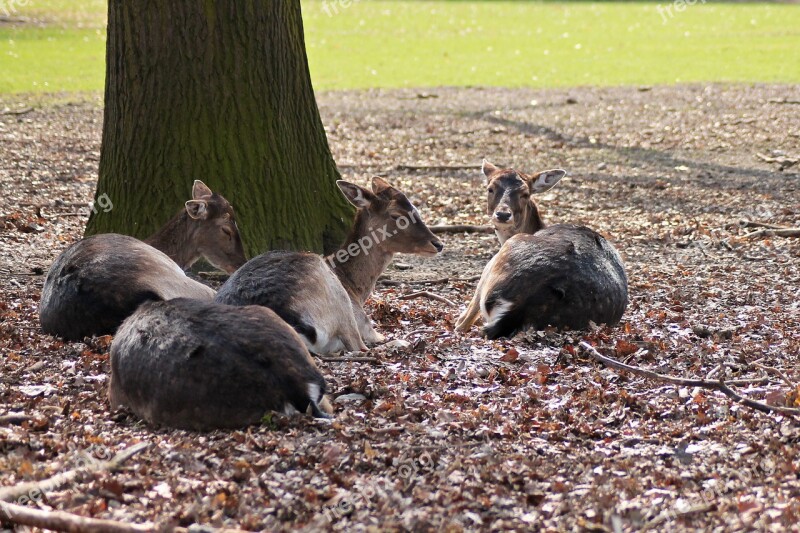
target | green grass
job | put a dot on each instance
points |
(432, 43)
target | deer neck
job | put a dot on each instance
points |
(532, 222)
(360, 261)
(175, 238)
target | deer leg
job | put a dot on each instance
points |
(470, 316)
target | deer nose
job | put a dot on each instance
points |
(438, 245)
(503, 217)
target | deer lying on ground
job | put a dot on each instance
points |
(99, 281)
(323, 299)
(563, 275)
(200, 365)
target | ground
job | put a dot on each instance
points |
(460, 433)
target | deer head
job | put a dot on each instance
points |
(387, 218)
(214, 234)
(510, 204)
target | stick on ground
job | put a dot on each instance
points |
(61, 521)
(784, 232)
(15, 492)
(461, 229)
(429, 295)
(718, 385)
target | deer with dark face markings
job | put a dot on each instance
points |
(200, 365)
(99, 281)
(563, 275)
(323, 299)
(510, 199)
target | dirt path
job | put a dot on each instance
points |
(447, 435)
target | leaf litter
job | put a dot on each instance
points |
(444, 431)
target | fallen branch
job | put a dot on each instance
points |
(717, 385)
(461, 229)
(347, 359)
(782, 101)
(784, 232)
(776, 372)
(429, 295)
(438, 167)
(61, 521)
(23, 111)
(15, 492)
(214, 276)
(441, 281)
(14, 419)
(753, 224)
(783, 161)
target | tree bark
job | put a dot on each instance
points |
(218, 91)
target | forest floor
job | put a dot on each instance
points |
(460, 433)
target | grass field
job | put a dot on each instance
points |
(433, 43)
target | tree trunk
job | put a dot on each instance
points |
(218, 91)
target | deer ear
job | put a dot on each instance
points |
(546, 180)
(487, 168)
(358, 196)
(197, 209)
(379, 185)
(200, 189)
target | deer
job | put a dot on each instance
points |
(323, 298)
(199, 365)
(563, 275)
(100, 280)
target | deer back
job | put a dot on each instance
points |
(99, 281)
(201, 365)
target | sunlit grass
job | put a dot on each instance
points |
(422, 44)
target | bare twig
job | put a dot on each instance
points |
(61, 521)
(16, 491)
(776, 372)
(718, 385)
(214, 276)
(441, 281)
(14, 418)
(783, 161)
(347, 359)
(23, 111)
(438, 167)
(782, 101)
(429, 295)
(784, 232)
(458, 228)
(42, 214)
(753, 224)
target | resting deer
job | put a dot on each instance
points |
(323, 299)
(200, 365)
(100, 280)
(562, 275)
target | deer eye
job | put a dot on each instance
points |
(227, 231)
(491, 190)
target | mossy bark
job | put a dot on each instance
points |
(219, 91)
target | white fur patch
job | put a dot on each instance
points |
(289, 409)
(501, 307)
(313, 392)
